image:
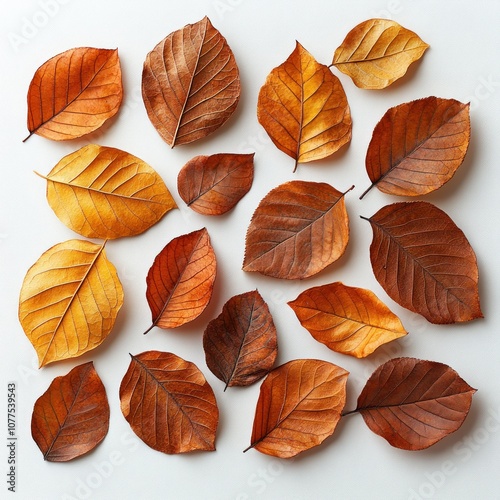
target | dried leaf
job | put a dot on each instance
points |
(378, 52)
(103, 192)
(299, 406)
(424, 262)
(72, 416)
(297, 230)
(181, 280)
(417, 146)
(413, 403)
(346, 319)
(74, 93)
(69, 300)
(169, 404)
(190, 83)
(304, 109)
(213, 185)
(241, 343)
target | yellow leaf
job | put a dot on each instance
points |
(102, 192)
(377, 52)
(69, 300)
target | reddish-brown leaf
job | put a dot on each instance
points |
(213, 185)
(299, 406)
(424, 262)
(169, 404)
(241, 343)
(190, 83)
(347, 319)
(74, 93)
(72, 416)
(297, 230)
(417, 146)
(181, 280)
(413, 403)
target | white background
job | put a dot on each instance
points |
(462, 63)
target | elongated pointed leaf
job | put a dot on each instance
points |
(299, 406)
(378, 52)
(74, 93)
(72, 416)
(181, 280)
(69, 300)
(413, 403)
(424, 262)
(169, 404)
(241, 343)
(103, 192)
(190, 83)
(304, 109)
(297, 230)
(347, 319)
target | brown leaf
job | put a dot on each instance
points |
(69, 300)
(190, 83)
(181, 280)
(103, 192)
(378, 52)
(241, 343)
(74, 93)
(213, 185)
(168, 403)
(299, 406)
(413, 403)
(304, 109)
(72, 416)
(424, 262)
(346, 319)
(417, 146)
(297, 230)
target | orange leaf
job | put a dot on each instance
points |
(303, 107)
(241, 344)
(181, 280)
(213, 185)
(346, 319)
(378, 52)
(169, 404)
(424, 262)
(190, 83)
(74, 93)
(297, 230)
(72, 416)
(416, 147)
(299, 406)
(413, 403)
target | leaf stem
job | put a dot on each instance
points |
(364, 218)
(351, 412)
(26, 138)
(149, 329)
(350, 189)
(366, 191)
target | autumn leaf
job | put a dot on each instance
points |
(190, 83)
(299, 406)
(413, 403)
(213, 185)
(378, 52)
(74, 93)
(168, 403)
(69, 300)
(346, 319)
(241, 343)
(417, 146)
(424, 262)
(72, 416)
(181, 280)
(297, 230)
(304, 109)
(103, 192)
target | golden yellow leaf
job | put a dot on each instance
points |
(69, 300)
(377, 52)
